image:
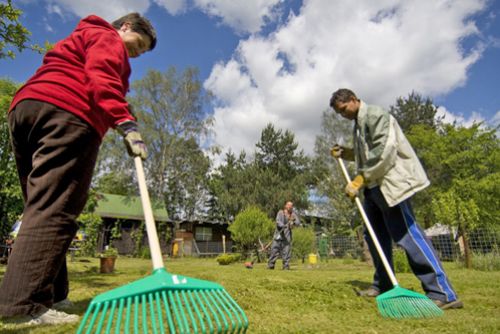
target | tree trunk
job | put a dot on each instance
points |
(467, 251)
(365, 255)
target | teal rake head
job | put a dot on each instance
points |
(400, 303)
(164, 303)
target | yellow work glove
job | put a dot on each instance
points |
(352, 188)
(338, 151)
(132, 139)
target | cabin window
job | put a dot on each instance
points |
(203, 233)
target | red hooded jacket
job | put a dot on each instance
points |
(86, 74)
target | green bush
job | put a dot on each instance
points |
(486, 262)
(400, 261)
(303, 242)
(249, 226)
(225, 259)
(144, 253)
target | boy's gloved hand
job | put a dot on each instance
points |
(132, 139)
(338, 151)
(352, 189)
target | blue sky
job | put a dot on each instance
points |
(279, 61)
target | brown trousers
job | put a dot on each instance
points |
(55, 154)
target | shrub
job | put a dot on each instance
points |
(250, 225)
(486, 262)
(303, 242)
(400, 261)
(225, 259)
(109, 252)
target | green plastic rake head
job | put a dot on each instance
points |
(400, 303)
(163, 302)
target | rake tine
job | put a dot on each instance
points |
(85, 317)
(207, 316)
(227, 301)
(153, 313)
(197, 311)
(226, 324)
(144, 314)
(179, 321)
(127, 318)
(238, 308)
(110, 318)
(219, 325)
(103, 316)
(181, 308)
(170, 321)
(227, 311)
(190, 313)
(119, 320)
(94, 317)
(136, 314)
(160, 316)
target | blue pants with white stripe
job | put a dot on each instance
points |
(398, 223)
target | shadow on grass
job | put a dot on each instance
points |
(359, 285)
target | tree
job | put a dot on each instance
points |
(250, 226)
(414, 110)
(330, 182)
(229, 188)
(463, 164)
(173, 124)
(13, 34)
(11, 201)
(280, 171)
(303, 242)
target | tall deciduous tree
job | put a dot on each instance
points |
(13, 35)
(330, 182)
(463, 164)
(170, 109)
(11, 202)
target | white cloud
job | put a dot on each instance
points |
(381, 49)
(241, 15)
(174, 7)
(495, 120)
(109, 9)
(449, 117)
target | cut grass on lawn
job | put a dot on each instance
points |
(302, 300)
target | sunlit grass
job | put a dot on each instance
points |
(303, 300)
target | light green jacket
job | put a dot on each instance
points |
(385, 157)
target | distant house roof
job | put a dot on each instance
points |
(439, 229)
(126, 207)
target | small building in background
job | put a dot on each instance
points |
(125, 213)
(194, 237)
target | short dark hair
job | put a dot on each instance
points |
(138, 24)
(341, 96)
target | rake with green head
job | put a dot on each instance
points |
(398, 302)
(163, 302)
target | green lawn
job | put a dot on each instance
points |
(303, 300)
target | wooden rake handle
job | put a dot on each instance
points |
(154, 244)
(369, 227)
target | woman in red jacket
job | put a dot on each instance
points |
(57, 121)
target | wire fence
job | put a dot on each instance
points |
(448, 244)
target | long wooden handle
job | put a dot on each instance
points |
(369, 227)
(154, 244)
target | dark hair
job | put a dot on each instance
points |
(341, 96)
(138, 24)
